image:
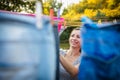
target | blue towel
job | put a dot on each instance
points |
(100, 51)
(26, 52)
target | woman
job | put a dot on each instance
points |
(70, 60)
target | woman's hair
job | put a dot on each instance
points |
(78, 28)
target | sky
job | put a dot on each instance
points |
(66, 3)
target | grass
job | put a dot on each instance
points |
(64, 45)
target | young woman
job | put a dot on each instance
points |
(70, 60)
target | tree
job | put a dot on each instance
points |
(94, 9)
(17, 5)
(65, 11)
(51, 4)
(28, 6)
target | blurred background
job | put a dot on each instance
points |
(71, 10)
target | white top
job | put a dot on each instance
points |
(64, 75)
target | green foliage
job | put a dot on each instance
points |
(29, 6)
(65, 11)
(51, 4)
(94, 9)
(64, 45)
(17, 5)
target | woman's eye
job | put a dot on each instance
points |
(78, 36)
(72, 35)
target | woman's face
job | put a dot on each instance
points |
(74, 39)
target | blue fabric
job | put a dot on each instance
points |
(55, 30)
(26, 52)
(101, 51)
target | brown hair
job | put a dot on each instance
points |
(78, 28)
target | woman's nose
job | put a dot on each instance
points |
(74, 38)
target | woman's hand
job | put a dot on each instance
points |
(71, 69)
